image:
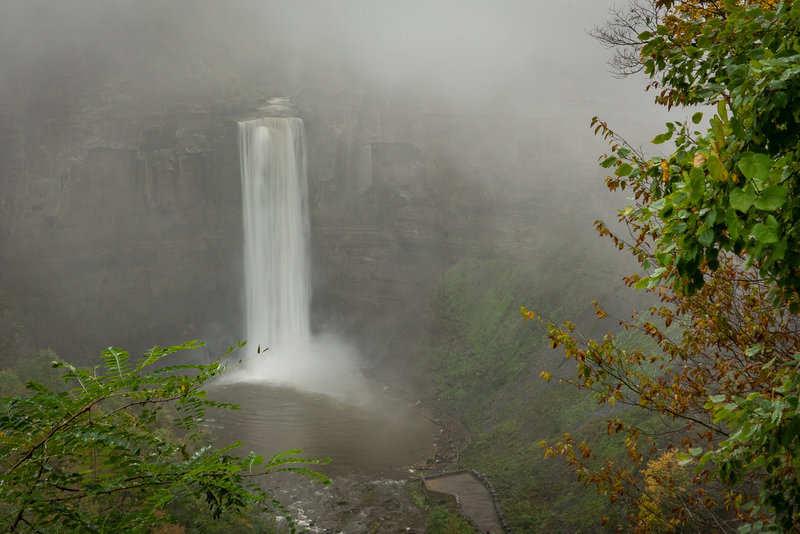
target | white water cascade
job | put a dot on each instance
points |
(276, 232)
(277, 266)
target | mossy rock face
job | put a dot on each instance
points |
(483, 361)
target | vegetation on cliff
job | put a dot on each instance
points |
(481, 362)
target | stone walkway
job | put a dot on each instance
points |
(476, 501)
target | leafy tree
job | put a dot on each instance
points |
(113, 452)
(713, 225)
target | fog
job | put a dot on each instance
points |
(531, 57)
(528, 66)
(449, 155)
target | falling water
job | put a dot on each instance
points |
(276, 231)
(306, 392)
(277, 271)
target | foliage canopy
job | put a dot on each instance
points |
(713, 225)
(114, 451)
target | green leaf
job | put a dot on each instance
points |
(715, 168)
(642, 283)
(795, 12)
(742, 199)
(705, 458)
(623, 169)
(711, 218)
(779, 250)
(658, 272)
(722, 110)
(755, 349)
(706, 237)
(732, 223)
(697, 117)
(608, 162)
(771, 198)
(755, 166)
(677, 228)
(697, 185)
(764, 234)
(661, 138)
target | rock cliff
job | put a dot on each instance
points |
(120, 220)
(120, 228)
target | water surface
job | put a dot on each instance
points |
(370, 432)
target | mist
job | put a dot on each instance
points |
(530, 57)
(452, 177)
(497, 97)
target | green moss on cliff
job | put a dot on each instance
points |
(483, 361)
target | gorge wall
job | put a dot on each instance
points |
(120, 228)
(120, 207)
(121, 224)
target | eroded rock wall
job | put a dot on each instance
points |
(120, 220)
(119, 227)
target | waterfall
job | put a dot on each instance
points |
(275, 212)
(276, 232)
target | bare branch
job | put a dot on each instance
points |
(621, 32)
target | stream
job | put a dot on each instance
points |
(372, 439)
